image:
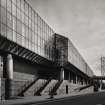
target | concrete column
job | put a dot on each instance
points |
(83, 81)
(9, 77)
(69, 77)
(72, 78)
(10, 67)
(76, 79)
(100, 88)
(62, 74)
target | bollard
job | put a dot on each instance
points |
(66, 89)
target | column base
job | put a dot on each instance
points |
(8, 88)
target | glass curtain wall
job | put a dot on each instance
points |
(22, 25)
(76, 59)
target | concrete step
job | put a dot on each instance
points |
(49, 87)
(31, 91)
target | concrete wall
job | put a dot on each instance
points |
(24, 70)
(18, 86)
(72, 87)
(23, 76)
(2, 89)
(1, 67)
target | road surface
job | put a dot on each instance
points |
(90, 99)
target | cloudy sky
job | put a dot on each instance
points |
(83, 21)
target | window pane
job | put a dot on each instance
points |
(14, 23)
(35, 18)
(23, 30)
(9, 5)
(19, 39)
(9, 33)
(23, 41)
(3, 3)
(30, 23)
(14, 36)
(26, 32)
(26, 9)
(22, 5)
(18, 3)
(22, 14)
(32, 26)
(30, 12)
(27, 43)
(13, 9)
(35, 28)
(19, 27)
(18, 14)
(9, 20)
(14, 1)
(30, 36)
(35, 40)
(26, 20)
(3, 30)
(3, 15)
(32, 15)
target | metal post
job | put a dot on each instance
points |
(66, 89)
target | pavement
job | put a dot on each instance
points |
(86, 99)
(31, 99)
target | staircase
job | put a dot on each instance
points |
(84, 90)
(54, 89)
(42, 87)
(35, 87)
(48, 88)
(18, 85)
(26, 87)
(62, 87)
(83, 87)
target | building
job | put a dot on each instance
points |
(103, 66)
(31, 52)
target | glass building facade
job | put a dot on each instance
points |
(22, 25)
(76, 59)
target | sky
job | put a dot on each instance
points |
(82, 21)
